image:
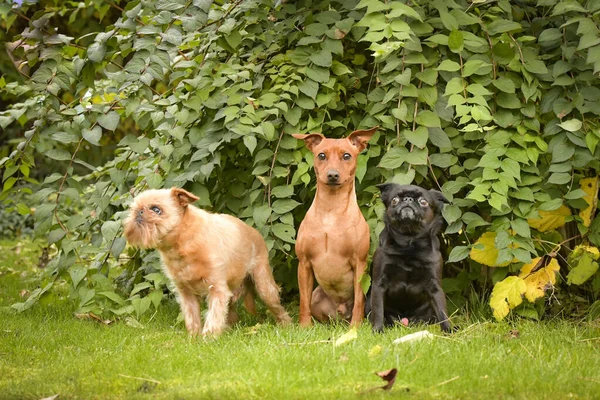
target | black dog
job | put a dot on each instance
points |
(407, 266)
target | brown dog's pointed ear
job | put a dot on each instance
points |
(183, 197)
(311, 140)
(439, 196)
(386, 194)
(360, 138)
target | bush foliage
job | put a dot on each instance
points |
(496, 103)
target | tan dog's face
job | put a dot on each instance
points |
(154, 214)
(335, 159)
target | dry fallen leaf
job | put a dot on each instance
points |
(50, 398)
(349, 336)
(513, 334)
(389, 376)
(413, 337)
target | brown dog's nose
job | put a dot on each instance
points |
(139, 218)
(333, 176)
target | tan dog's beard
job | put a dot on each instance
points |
(147, 233)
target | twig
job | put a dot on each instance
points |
(528, 352)
(141, 379)
(448, 381)
(273, 166)
(315, 342)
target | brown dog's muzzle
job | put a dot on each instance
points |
(333, 177)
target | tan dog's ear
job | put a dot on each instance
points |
(183, 197)
(359, 139)
(311, 140)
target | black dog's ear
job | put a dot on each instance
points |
(439, 196)
(386, 195)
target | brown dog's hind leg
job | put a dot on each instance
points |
(267, 289)
(321, 306)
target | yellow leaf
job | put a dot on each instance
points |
(550, 220)
(539, 280)
(579, 250)
(349, 336)
(489, 254)
(590, 187)
(507, 294)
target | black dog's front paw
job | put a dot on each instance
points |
(447, 328)
(377, 328)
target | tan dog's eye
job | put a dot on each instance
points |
(347, 156)
(322, 156)
(423, 202)
(156, 210)
(395, 201)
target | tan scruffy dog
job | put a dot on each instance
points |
(204, 254)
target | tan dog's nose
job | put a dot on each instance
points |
(333, 176)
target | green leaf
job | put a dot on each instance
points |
(321, 58)
(393, 158)
(562, 152)
(261, 215)
(284, 206)
(93, 135)
(458, 253)
(110, 229)
(96, 52)
(309, 88)
(451, 213)
(586, 268)
(502, 25)
(449, 65)
(455, 41)
(428, 119)
(418, 137)
(109, 121)
(572, 125)
(284, 232)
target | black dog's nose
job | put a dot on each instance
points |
(333, 175)
(408, 199)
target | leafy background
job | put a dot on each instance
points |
(496, 103)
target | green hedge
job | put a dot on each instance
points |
(494, 103)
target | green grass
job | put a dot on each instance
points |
(46, 351)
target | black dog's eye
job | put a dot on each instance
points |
(322, 156)
(423, 202)
(395, 201)
(156, 210)
(347, 156)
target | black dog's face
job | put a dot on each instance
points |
(410, 207)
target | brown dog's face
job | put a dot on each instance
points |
(335, 159)
(154, 214)
(411, 207)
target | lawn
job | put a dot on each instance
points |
(46, 351)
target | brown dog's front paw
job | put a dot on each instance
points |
(305, 322)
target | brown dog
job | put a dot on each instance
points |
(204, 254)
(333, 239)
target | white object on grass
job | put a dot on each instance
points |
(414, 336)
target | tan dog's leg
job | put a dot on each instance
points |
(190, 307)
(321, 306)
(358, 312)
(306, 281)
(218, 306)
(249, 297)
(267, 289)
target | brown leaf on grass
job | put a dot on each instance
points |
(94, 317)
(23, 293)
(513, 334)
(389, 376)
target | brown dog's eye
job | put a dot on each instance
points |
(346, 156)
(322, 156)
(395, 201)
(156, 210)
(423, 202)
